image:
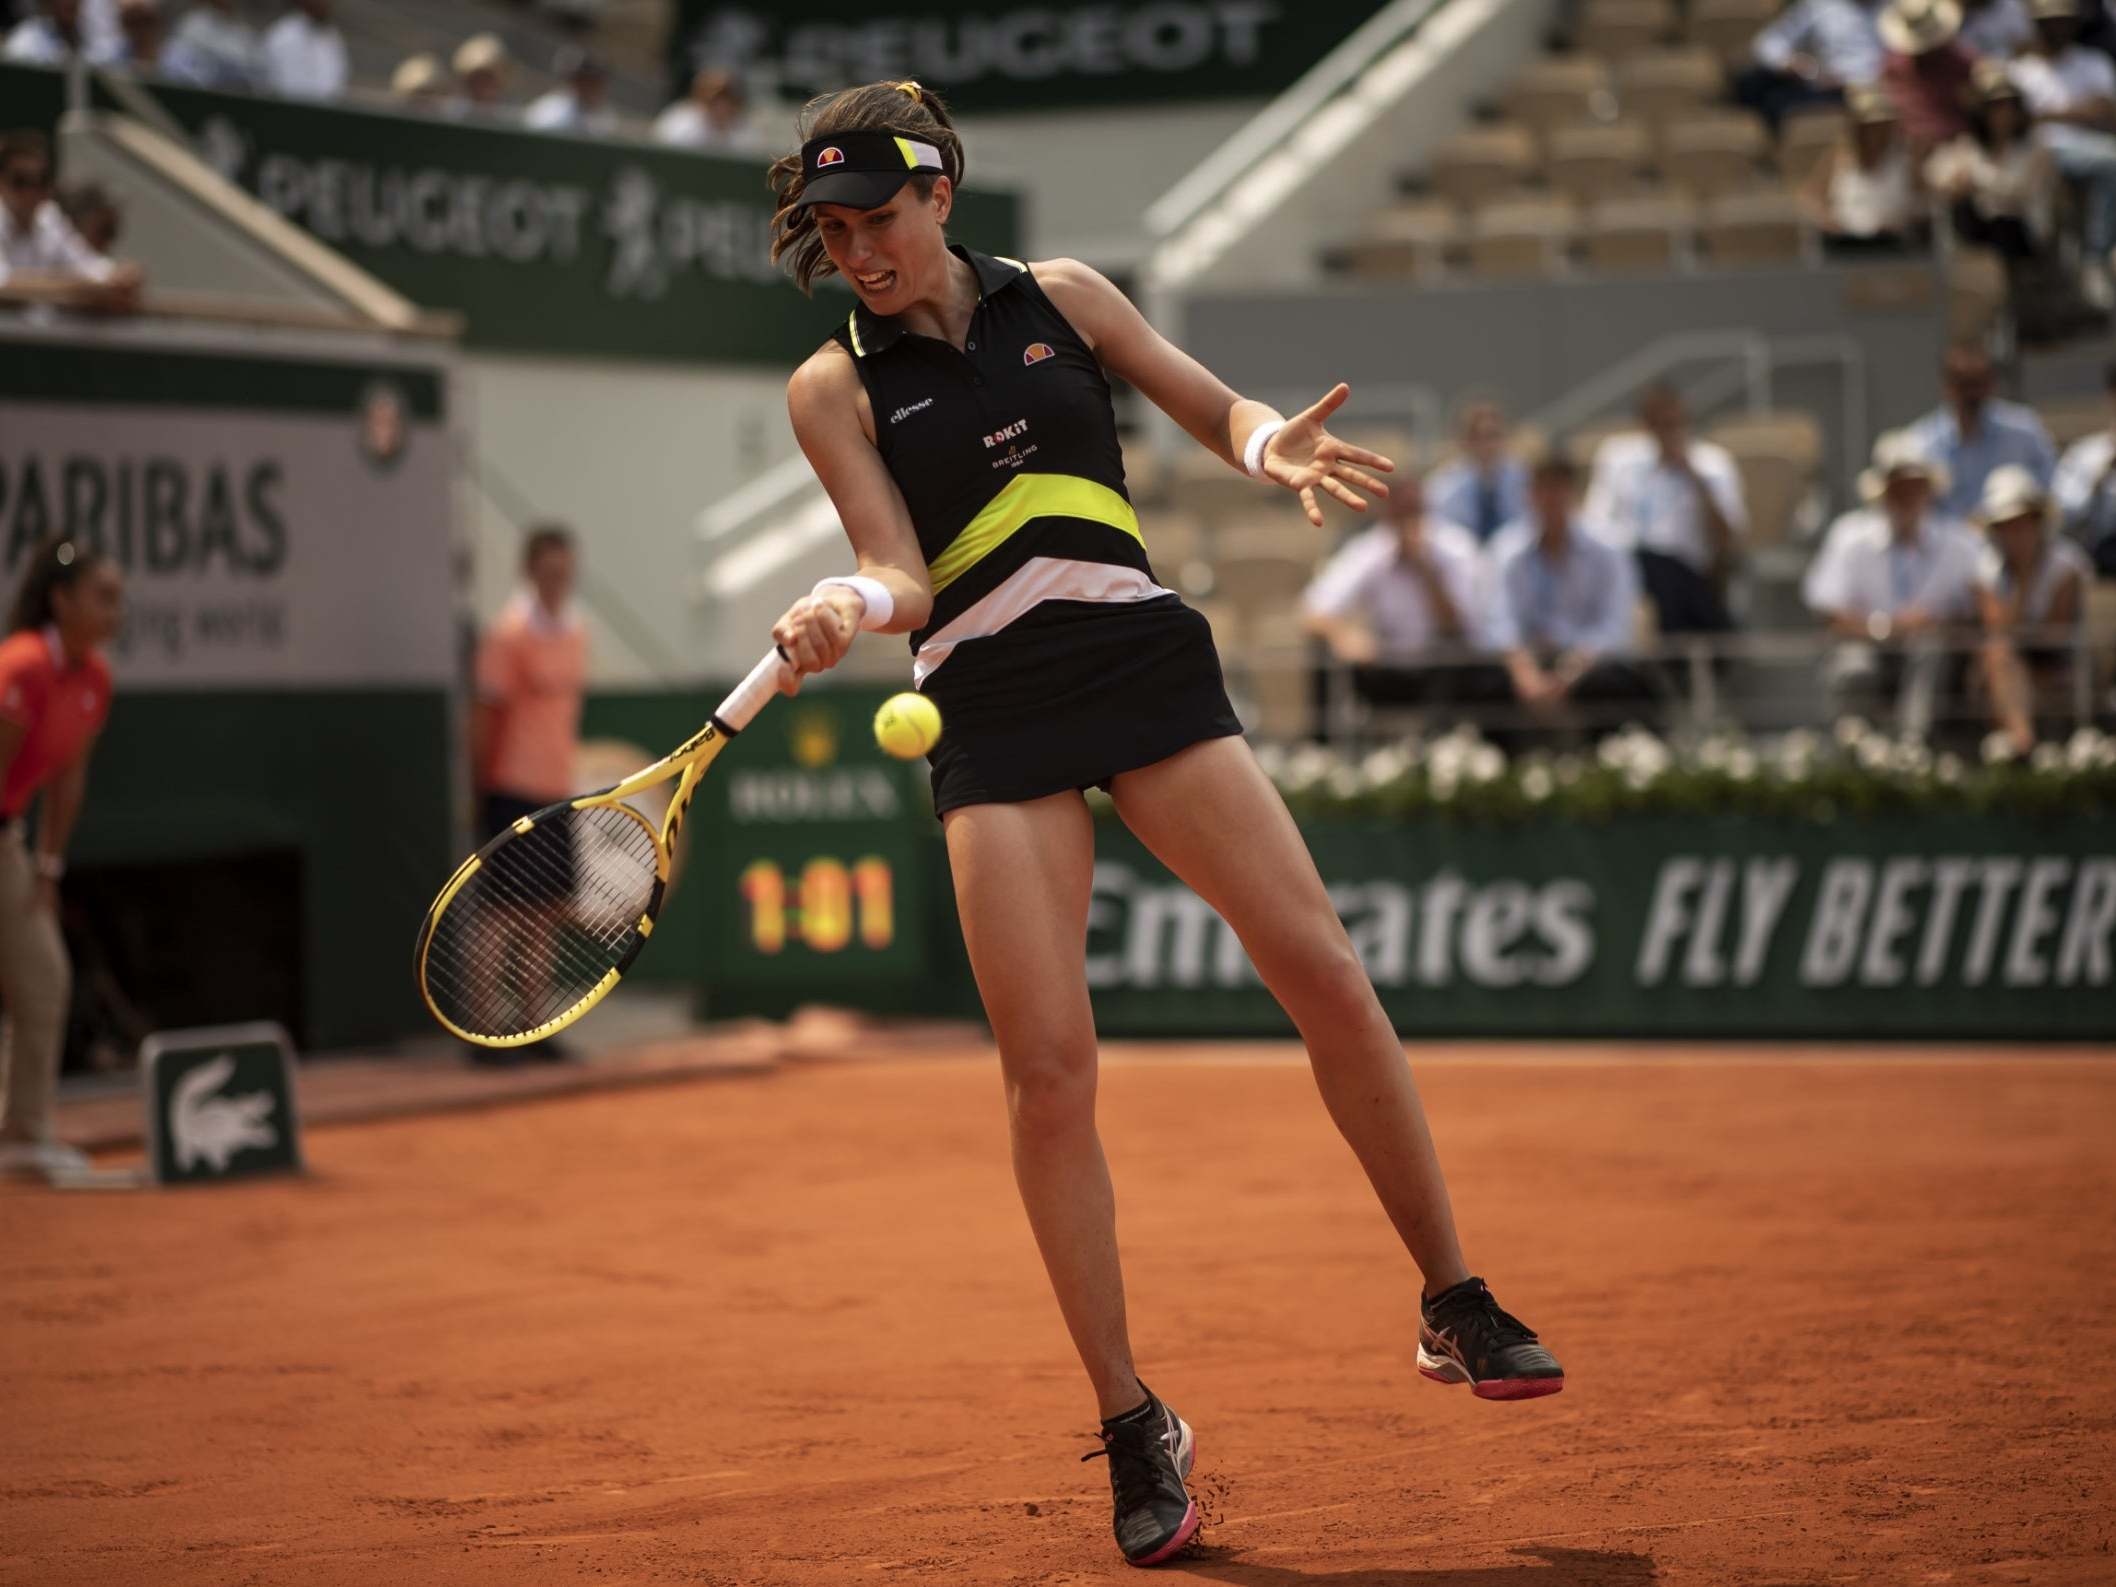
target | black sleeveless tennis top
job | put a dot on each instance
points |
(1006, 453)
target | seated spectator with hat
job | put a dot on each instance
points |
(480, 64)
(1864, 196)
(1928, 70)
(1891, 580)
(1998, 177)
(2031, 596)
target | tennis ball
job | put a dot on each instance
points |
(907, 726)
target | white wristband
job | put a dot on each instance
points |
(1259, 438)
(880, 604)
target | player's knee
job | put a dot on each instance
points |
(1051, 1092)
(1325, 980)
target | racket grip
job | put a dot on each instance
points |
(750, 694)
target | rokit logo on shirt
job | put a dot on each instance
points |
(1008, 436)
(908, 409)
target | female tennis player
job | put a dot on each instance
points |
(960, 420)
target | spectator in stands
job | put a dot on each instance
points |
(580, 103)
(214, 47)
(146, 33)
(52, 38)
(40, 252)
(1562, 610)
(1486, 487)
(1810, 55)
(419, 83)
(2072, 90)
(716, 116)
(480, 64)
(1864, 196)
(91, 211)
(532, 668)
(2085, 488)
(54, 697)
(1395, 597)
(1892, 578)
(2031, 596)
(1996, 29)
(1998, 179)
(304, 53)
(1677, 504)
(1928, 70)
(1973, 432)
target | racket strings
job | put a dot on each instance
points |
(547, 915)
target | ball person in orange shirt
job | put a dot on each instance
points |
(532, 669)
(54, 697)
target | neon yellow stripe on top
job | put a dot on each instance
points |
(903, 147)
(1026, 497)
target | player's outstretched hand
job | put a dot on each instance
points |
(1305, 458)
(816, 632)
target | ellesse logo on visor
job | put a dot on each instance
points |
(1037, 352)
(830, 156)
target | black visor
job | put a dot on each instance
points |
(862, 170)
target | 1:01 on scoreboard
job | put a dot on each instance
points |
(828, 907)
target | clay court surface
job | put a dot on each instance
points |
(1827, 1318)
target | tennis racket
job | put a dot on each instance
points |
(535, 928)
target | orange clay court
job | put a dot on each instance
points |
(1827, 1316)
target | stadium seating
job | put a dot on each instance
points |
(1780, 458)
(1668, 83)
(1561, 91)
(1642, 233)
(1754, 228)
(1714, 152)
(1616, 29)
(1806, 139)
(1587, 163)
(1728, 28)
(1483, 162)
(1522, 236)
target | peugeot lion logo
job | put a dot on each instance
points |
(1037, 352)
(830, 156)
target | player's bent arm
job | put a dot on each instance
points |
(822, 399)
(1206, 407)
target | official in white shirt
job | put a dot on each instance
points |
(1562, 612)
(1399, 604)
(40, 252)
(304, 53)
(1895, 580)
(1677, 504)
(2031, 586)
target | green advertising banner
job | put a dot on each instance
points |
(1005, 57)
(544, 243)
(1940, 927)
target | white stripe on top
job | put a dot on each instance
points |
(1036, 580)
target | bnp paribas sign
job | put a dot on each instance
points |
(1010, 57)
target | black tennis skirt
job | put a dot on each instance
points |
(1069, 695)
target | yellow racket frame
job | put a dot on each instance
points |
(688, 761)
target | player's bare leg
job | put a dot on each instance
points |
(1022, 875)
(1211, 816)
